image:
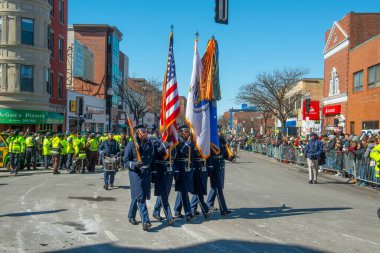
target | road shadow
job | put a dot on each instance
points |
(32, 213)
(275, 212)
(98, 199)
(3, 184)
(213, 246)
(125, 187)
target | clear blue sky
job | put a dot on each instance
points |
(262, 35)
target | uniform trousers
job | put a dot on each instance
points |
(31, 154)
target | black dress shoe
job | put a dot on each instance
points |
(105, 186)
(206, 215)
(133, 221)
(157, 217)
(111, 185)
(189, 217)
(178, 215)
(146, 226)
(197, 213)
(315, 182)
(310, 182)
(171, 221)
(225, 212)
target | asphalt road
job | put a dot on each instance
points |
(274, 210)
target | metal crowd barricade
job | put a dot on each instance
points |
(363, 170)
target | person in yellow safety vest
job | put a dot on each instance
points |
(70, 154)
(56, 152)
(46, 150)
(375, 155)
(103, 138)
(63, 160)
(15, 148)
(92, 146)
(31, 151)
(83, 139)
(80, 153)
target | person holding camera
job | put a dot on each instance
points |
(313, 153)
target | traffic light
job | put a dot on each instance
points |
(307, 103)
(79, 100)
(221, 11)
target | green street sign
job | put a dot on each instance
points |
(25, 117)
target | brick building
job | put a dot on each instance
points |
(109, 64)
(252, 122)
(350, 55)
(57, 43)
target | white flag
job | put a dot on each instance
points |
(198, 109)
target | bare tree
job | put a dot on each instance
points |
(269, 92)
(141, 96)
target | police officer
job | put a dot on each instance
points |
(140, 175)
(123, 144)
(109, 148)
(31, 149)
(93, 148)
(56, 152)
(46, 150)
(201, 168)
(80, 153)
(184, 174)
(15, 147)
(163, 179)
(217, 177)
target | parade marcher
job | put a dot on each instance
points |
(63, 159)
(123, 144)
(184, 174)
(31, 151)
(46, 150)
(217, 177)
(15, 148)
(202, 167)
(70, 154)
(313, 152)
(93, 149)
(139, 157)
(163, 179)
(109, 148)
(56, 152)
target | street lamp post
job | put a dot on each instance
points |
(110, 93)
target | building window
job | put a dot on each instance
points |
(367, 125)
(358, 81)
(373, 76)
(48, 82)
(51, 84)
(352, 127)
(51, 2)
(61, 12)
(27, 31)
(60, 49)
(1, 72)
(60, 87)
(51, 43)
(26, 78)
(334, 83)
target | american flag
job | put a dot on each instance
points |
(170, 106)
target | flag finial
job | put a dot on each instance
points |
(172, 28)
(197, 34)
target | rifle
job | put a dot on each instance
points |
(138, 156)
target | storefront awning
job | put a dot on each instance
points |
(28, 117)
